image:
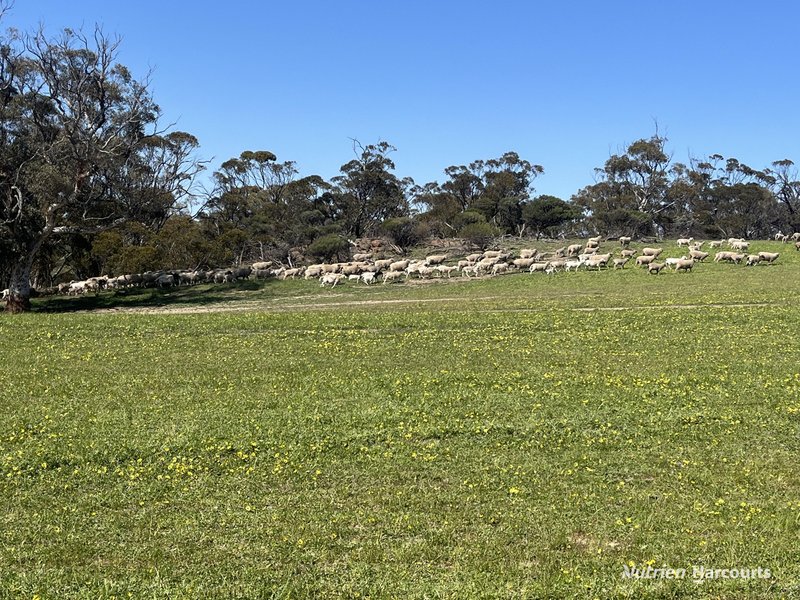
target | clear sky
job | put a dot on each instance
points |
(563, 83)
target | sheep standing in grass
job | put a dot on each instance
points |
(752, 259)
(645, 259)
(368, 277)
(769, 257)
(796, 236)
(654, 268)
(685, 241)
(625, 241)
(435, 259)
(528, 253)
(698, 255)
(331, 279)
(574, 250)
(715, 244)
(445, 270)
(654, 252)
(628, 253)
(740, 245)
(619, 263)
(499, 268)
(538, 267)
(684, 265)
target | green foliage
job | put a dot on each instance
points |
(405, 232)
(479, 234)
(548, 214)
(329, 247)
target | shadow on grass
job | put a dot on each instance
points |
(199, 295)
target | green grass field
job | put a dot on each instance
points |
(474, 439)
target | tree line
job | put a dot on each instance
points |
(92, 183)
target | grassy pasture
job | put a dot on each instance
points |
(450, 440)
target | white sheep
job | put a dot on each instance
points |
(573, 265)
(574, 249)
(645, 259)
(392, 276)
(685, 265)
(769, 257)
(654, 268)
(685, 241)
(368, 277)
(796, 236)
(331, 279)
(619, 263)
(752, 259)
(627, 253)
(435, 259)
(655, 252)
(625, 241)
(445, 270)
(499, 268)
(740, 245)
(538, 267)
(400, 265)
(528, 253)
(698, 255)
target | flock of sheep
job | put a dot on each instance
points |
(365, 269)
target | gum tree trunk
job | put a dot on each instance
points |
(19, 289)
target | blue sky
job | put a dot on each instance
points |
(564, 84)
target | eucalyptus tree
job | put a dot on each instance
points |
(81, 150)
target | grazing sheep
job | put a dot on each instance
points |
(500, 267)
(400, 265)
(523, 263)
(655, 268)
(383, 264)
(698, 255)
(312, 271)
(528, 253)
(769, 257)
(619, 263)
(392, 276)
(715, 244)
(645, 259)
(740, 245)
(331, 279)
(685, 241)
(624, 241)
(538, 267)
(685, 265)
(752, 259)
(435, 259)
(574, 249)
(627, 253)
(654, 252)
